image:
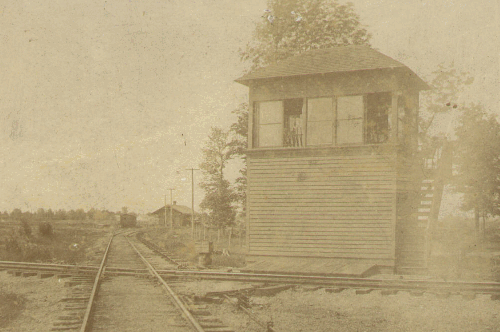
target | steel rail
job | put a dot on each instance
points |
(401, 284)
(95, 288)
(347, 282)
(62, 267)
(155, 248)
(8, 264)
(177, 301)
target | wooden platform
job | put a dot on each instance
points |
(311, 266)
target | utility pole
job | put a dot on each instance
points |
(165, 213)
(171, 204)
(192, 199)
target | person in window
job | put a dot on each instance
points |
(293, 132)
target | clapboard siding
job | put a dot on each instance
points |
(322, 206)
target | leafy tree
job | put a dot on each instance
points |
(27, 216)
(71, 215)
(219, 195)
(79, 214)
(40, 214)
(447, 83)
(239, 131)
(60, 214)
(45, 229)
(91, 214)
(290, 27)
(25, 227)
(50, 214)
(477, 155)
(16, 214)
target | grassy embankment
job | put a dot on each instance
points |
(180, 243)
(457, 252)
(67, 242)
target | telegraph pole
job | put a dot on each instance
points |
(192, 199)
(171, 204)
(165, 213)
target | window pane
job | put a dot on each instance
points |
(351, 107)
(292, 135)
(320, 132)
(349, 131)
(270, 112)
(270, 135)
(378, 107)
(319, 109)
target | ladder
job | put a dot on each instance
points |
(416, 233)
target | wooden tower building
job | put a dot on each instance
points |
(332, 171)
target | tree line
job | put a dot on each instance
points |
(61, 214)
(291, 27)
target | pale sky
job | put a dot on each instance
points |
(105, 103)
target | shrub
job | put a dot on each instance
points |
(45, 229)
(33, 253)
(12, 246)
(25, 228)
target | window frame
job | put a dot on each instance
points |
(334, 121)
(257, 119)
(305, 124)
(363, 119)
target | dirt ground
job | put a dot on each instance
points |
(41, 302)
(299, 310)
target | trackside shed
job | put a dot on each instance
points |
(331, 159)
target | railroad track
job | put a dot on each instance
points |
(106, 297)
(406, 284)
(127, 300)
(390, 284)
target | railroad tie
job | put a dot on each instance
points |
(72, 317)
(200, 312)
(75, 299)
(310, 289)
(66, 323)
(219, 329)
(363, 291)
(387, 292)
(334, 290)
(65, 328)
(270, 291)
(29, 274)
(215, 324)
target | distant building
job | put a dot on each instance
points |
(147, 220)
(181, 215)
(128, 220)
